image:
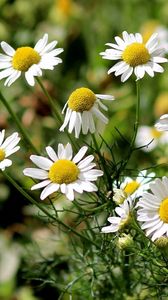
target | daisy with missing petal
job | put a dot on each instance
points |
(123, 218)
(81, 106)
(153, 209)
(135, 56)
(28, 60)
(63, 171)
(162, 124)
(134, 187)
(148, 138)
(7, 147)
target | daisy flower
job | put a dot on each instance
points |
(133, 186)
(150, 137)
(123, 218)
(28, 60)
(81, 106)
(7, 147)
(63, 171)
(135, 56)
(153, 209)
(162, 124)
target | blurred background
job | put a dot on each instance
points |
(82, 28)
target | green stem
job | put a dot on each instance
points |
(18, 123)
(136, 124)
(53, 106)
(56, 219)
(137, 115)
(56, 113)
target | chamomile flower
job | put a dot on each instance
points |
(123, 218)
(81, 106)
(153, 209)
(63, 171)
(135, 56)
(150, 137)
(162, 124)
(7, 147)
(134, 187)
(28, 60)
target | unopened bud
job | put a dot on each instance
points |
(125, 241)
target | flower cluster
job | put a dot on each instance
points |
(72, 175)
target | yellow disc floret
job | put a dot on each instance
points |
(63, 171)
(136, 54)
(155, 133)
(2, 154)
(24, 58)
(163, 210)
(131, 187)
(81, 99)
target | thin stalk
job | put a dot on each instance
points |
(53, 106)
(136, 124)
(18, 123)
(44, 210)
(56, 113)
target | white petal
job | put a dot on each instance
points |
(12, 78)
(86, 161)
(7, 49)
(88, 186)
(41, 162)
(72, 121)
(60, 150)
(30, 78)
(7, 72)
(48, 190)
(69, 192)
(40, 185)
(105, 97)
(35, 173)
(11, 151)
(40, 45)
(67, 152)
(5, 163)
(66, 120)
(126, 74)
(85, 124)
(51, 153)
(99, 114)
(80, 154)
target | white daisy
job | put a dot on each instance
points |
(123, 219)
(63, 171)
(7, 147)
(82, 105)
(162, 124)
(153, 209)
(149, 138)
(135, 56)
(28, 60)
(133, 186)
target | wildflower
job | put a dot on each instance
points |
(118, 223)
(125, 242)
(135, 56)
(162, 124)
(134, 187)
(82, 105)
(8, 147)
(28, 60)
(153, 26)
(63, 171)
(150, 137)
(153, 209)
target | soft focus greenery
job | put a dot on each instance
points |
(39, 260)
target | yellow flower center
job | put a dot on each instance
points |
(2, 154)
(81, 99)
(131, 187)
(155, 133)
(24, 58)
(136, 54)
(163, 210)
(63, 171)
